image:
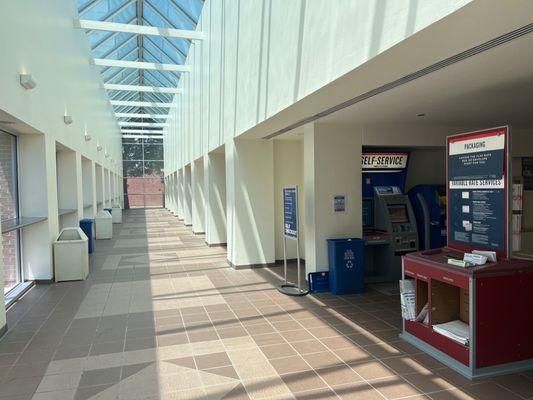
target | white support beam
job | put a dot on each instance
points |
(137, 29)
(141, 65)
(141, 131)
(147, 124)
(142, 116)
(146, 89)
(142, 136)
(141, 104)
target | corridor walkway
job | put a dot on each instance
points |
(162, 316)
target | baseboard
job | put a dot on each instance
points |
(250, 266)
(225, 245)
(43, 281)
(3, 330)
(290, 260)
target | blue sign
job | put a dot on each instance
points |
(477, 213)
(290, 212)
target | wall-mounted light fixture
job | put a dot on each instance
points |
(68, 119)
(98, 147)
(27, 81)
(87, 137)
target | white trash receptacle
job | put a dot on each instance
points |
(116, 214)
(103, 225)
(71, 255)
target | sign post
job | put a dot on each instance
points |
(290, 231)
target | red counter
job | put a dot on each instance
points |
(495, 299)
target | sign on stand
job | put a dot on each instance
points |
(290, 231)
(478, 191)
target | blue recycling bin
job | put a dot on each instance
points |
(346, 265)
(86, 226)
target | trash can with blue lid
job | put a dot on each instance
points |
(346, 265)
(87, 226)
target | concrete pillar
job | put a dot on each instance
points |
(215, 199)
(67, 188)
(332, 166)
(197, 196)
(99, 185)
(180, 194)
(38, 198)
(89, 194)
(288, 171)
(250, 202)
(174, 193)
(79, 185)
(187, 196)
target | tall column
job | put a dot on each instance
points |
(79, 184)
(215, 199)
(197, 196)
(38, 198)
(250, 202)
(187, 196)
(332, 166)
(181, 194)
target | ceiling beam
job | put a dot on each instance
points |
(138, 88)
(147, 124)
(142, 136)
(141, 65)
(142, 116)
(137, 29)
(140, 131)
(142, 104)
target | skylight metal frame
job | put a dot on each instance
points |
(159, 49)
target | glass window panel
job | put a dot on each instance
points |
(133, 168)
(153, 141)
(153, 168)
(9, 209)
(132, 152)
(153, 152)
(132, 140)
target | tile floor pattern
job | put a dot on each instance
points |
(162, 316)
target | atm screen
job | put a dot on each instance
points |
(368, 213)
(398, 213)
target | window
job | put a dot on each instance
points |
(143, 172)
(9, 210)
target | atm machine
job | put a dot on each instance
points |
(429, 206)
(394, 234)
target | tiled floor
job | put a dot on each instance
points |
(162, 316)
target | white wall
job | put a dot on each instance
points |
(39, 38)
(262, 56)
(332, 166)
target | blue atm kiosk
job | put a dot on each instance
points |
(429, 206)
(389, 226)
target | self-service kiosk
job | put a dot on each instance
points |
(429, 206)
(394, 231)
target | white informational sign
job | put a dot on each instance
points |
(339, 203)
(384, 160)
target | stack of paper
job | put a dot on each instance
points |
(456, 330)
(518, 192)
(407, 299)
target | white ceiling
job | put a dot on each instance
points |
(492, 88)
